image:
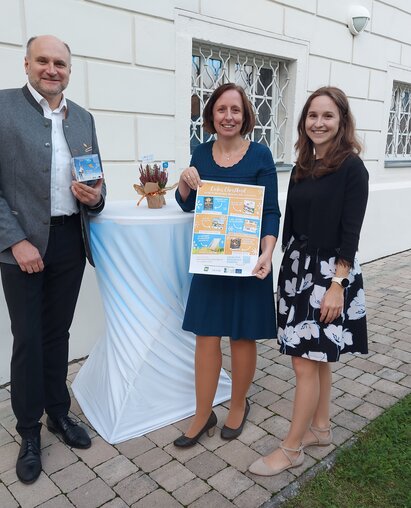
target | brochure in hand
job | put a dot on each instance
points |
(227, 229)
(86, 168)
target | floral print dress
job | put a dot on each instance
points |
(302, 282)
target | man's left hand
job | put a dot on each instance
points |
(86, 194)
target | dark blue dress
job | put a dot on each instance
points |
(237, 307)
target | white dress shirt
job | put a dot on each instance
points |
(63, 201)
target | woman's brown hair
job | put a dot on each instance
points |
(249, 116)
(344, 143)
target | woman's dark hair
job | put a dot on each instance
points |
(344, 143)
(249, 116)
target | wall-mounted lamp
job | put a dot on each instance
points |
(358, 18)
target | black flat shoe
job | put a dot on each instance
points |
(28, 466)
(184, 441)
(228, 433)
(70, 431)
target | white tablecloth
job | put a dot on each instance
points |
(140, 375)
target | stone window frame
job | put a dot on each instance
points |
(265, 80)
(397, 77)
(191, 28)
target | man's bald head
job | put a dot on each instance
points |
(51, 37)
(48, 66)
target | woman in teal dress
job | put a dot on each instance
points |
(241, 308)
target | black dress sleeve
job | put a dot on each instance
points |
(354, 205)
(288, 219)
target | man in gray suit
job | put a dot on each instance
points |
(44, 241)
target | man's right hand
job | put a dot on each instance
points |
(27, 256)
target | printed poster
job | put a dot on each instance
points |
(227, 229)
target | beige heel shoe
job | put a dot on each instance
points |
(321, 438)
(261, 468)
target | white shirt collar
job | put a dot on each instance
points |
(43, 102)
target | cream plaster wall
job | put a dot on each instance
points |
(132, 71)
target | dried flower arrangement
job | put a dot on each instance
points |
(155, 174)
(153, 180)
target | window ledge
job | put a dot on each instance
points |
(406, 163)
(283, 168)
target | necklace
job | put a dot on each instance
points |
(227, 156)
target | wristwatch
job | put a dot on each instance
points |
(342, 281)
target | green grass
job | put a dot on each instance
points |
(374, 473)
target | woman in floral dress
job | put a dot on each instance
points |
(321, 306)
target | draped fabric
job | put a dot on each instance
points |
(140, 375)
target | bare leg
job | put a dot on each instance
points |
(243, 362)
(321, 418)
(208, 360)
(305, 403)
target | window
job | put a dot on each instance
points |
(264, 79)
(399, 124)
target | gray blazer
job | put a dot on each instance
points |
(25, 167)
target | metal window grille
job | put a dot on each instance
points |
(399, 123)
(264, 79)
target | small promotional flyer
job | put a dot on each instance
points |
(86, 168)
(227, 228)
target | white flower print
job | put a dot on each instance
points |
(288, 337)
(334, 333)
(295, 255)
(282, 306)
(290, 286)
(339, 336)
(328, 269)
(318, 356)
(307, 330)
(357, 306)
(347, 338)
(356, 268)
(291, 314)
(316, 296)
(306, 282)
(307, 261)
(351, 278)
